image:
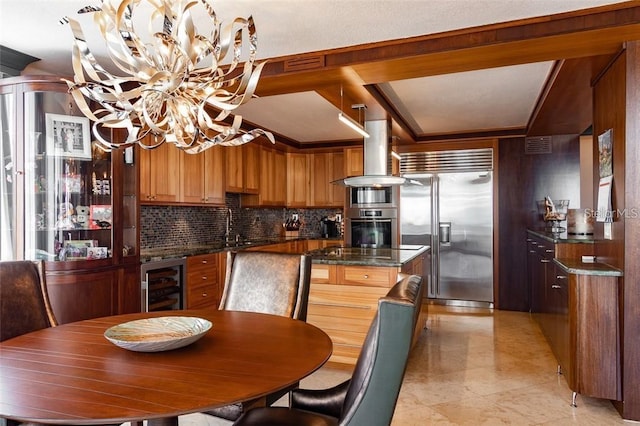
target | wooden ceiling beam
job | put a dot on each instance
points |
(563, 36)
(597, 32)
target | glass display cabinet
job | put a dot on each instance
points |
(66, 201)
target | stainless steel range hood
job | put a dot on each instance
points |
(376, 159)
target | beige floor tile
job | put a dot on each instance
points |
(477, 367)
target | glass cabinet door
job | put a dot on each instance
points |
(68, 209)
(8, 175)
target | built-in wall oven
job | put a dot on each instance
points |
(371, 217)
(371, 227)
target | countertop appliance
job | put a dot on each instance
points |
(329, 228)
(453, 213)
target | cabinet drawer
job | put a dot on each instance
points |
(368, 276)
(323, 274)
(202, 296)
(204, 263)
(349, 298)
(202, 281)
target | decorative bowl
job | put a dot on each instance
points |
(157, 334)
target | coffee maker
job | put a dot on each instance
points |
(329, 228)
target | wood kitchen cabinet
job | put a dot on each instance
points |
(243, 168)
(203, 281)
(273, 180)
(576, 307)
(586, 333)
(343, 300)
(298, 175)
(202, 180)
(160, 174)
(354, 161)
(325, 168)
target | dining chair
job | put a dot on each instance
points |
(24, 300)
(270, 283)
(369, 397)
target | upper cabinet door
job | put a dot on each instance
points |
(354, 161)
(202, 177)
(160, 174)
(234, 163)
(297, 180)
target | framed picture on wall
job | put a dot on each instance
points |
(68, 136)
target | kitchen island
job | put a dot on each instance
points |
(346, 283)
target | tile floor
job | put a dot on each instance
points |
(477, 367)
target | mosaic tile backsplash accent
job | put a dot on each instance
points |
(170, 226)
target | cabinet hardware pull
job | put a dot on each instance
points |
(532, 251)
(204, 261)
(545, 261)
(549, 250)
(556, 287)
(204, 294)
(366, 276)
(561, 277)
(204, 278)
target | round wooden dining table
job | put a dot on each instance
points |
(71, 374)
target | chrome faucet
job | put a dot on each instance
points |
(227, 232)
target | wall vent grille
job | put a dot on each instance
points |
(304, 63)
(463, 160)
(537, 145)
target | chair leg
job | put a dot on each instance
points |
(166, 421)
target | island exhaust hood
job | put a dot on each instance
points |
(376, 159)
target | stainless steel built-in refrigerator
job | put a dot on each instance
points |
(453, 213)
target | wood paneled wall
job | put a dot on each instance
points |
(525, 178)
(631, 290)
(609, 105)
(617, 107)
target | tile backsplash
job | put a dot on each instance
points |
(168, 226)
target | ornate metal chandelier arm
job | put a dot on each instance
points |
(164, 95)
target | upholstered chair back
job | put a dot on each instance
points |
(369, 397)
(24, 300)
(270, 283)
(377, 377)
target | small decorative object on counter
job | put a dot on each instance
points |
(554, 213)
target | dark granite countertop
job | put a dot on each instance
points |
(163, 253)
(577, 267)
(562, 237)
(394, 257)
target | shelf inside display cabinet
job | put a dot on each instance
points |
(72, 208)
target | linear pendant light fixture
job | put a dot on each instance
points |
(355, 125)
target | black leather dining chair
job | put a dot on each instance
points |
(369, 397)
(270, 283)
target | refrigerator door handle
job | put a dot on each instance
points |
(435, 230)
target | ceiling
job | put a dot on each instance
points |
(476, 97)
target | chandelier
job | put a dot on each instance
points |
(174, 87)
